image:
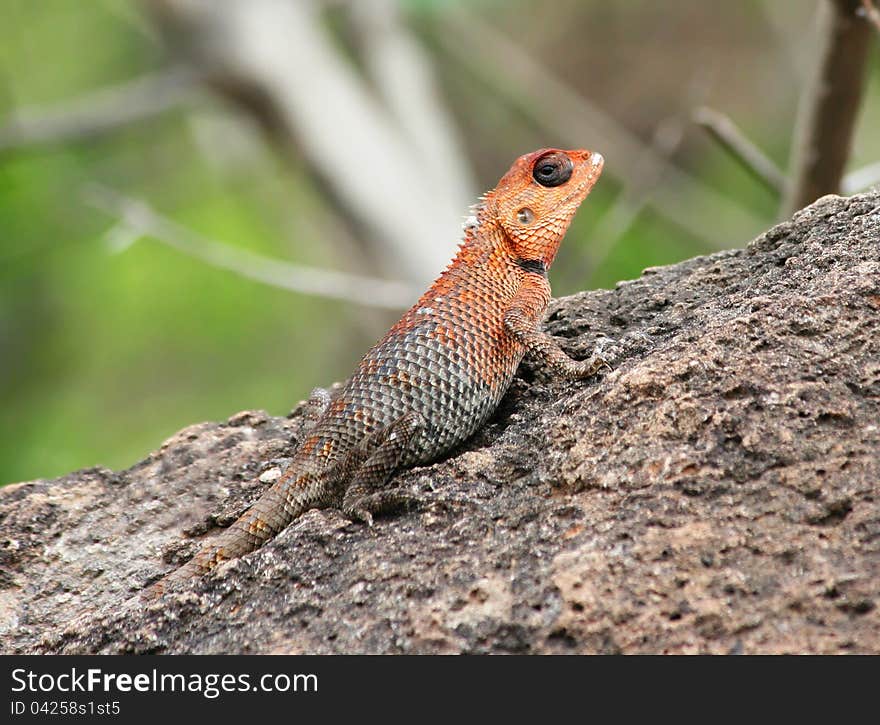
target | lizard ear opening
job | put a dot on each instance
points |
(525, 215)
(552, 169)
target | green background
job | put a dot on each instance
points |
(104, 354)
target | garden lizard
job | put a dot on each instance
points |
(440, 371)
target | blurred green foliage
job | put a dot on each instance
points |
(104, 354)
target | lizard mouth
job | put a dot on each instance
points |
(595, 169)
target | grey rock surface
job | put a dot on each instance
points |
(718, 491)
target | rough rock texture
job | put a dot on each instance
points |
(717, 492)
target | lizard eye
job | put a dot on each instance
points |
(525, 215)
(552, 169)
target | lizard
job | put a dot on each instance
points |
(440, 372)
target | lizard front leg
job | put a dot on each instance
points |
(522, 319)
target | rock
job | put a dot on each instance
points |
(716, 492)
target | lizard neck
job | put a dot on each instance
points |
(483, 260)
(532, 253)
(487, 248)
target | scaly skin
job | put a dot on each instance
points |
(440, 372)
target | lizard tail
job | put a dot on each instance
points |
(272, 512)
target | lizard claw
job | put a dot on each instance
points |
(604, 353)
(356, 513)
(362, 508)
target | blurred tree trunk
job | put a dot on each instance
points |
(829, 105)
(403, 182)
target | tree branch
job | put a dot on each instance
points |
(402, 73)
(633, 198)
(722, 129)
(829, 105)
(278, 61)
(136, 218)
(99, 112)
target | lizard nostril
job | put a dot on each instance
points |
(597, 159)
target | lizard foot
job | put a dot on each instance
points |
(362, 507)
(604, 353)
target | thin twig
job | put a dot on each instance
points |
(871, 12)
(652, 169)
(633, 198)
(136, 218)
(723, 130)
(100, 111)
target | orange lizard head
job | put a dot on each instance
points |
(536, 200)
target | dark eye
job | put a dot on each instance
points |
(552, 169)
